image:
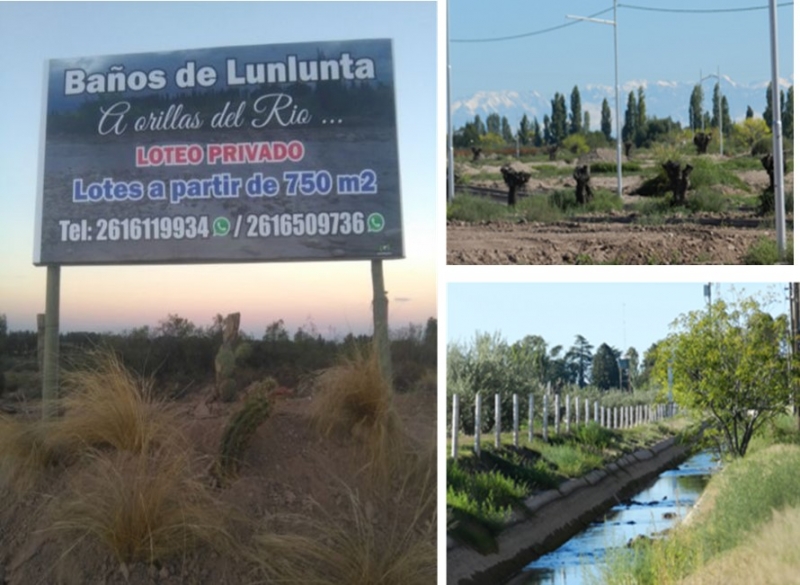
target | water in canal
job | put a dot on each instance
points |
(650, 511)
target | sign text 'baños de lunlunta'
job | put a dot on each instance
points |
(260, 153)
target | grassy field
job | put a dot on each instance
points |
(744, 532)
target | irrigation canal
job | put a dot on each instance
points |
(654, 509)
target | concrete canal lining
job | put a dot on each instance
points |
(556, 515)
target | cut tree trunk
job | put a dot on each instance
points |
(678, 180)
(583, 191)
(514, 180)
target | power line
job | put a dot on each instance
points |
(528, 34)
(701, 10)
(631, 6)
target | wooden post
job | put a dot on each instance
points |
(456, 425)
(51, 350)
(380, 319)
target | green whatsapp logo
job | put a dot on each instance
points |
(221, 226)
(375, 222)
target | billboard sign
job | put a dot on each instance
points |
(258, 153)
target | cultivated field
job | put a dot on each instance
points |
(722, 223)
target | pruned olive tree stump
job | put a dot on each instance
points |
(767, 197)
(678, 180)
(701, 142)
(476, 153)
(583, 191)
(552, 150)
(628, 145)
(514, 180)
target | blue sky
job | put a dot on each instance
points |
(335, 296)
(621, 315)
(652, 45)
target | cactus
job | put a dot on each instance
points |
(241, 428)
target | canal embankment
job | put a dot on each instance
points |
(550, 518)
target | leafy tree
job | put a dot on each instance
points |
(506, 133)
(730, 363)
(727, 123)
(276, 332)
(575, 110)
(558, 120)
(480, 128)
(768, 110)
(579, 360)
(631, 116)
(547, 135)
(715, 107)
(605, 119)
(641, 117)
(696, 108)
(175, 326)
(537, 133)
(587, 122)
(749, 131)
(492, 140)
(524, 130)
(468, 135)
(749, 113)
(493, 124)
(605, 370)
(787, 114)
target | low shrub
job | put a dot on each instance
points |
(474, 209)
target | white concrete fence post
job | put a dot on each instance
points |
(454, 453)
(530, 418)
(544, 418)
(516, 420)
(478, 424)
(557, 414)
(566, 402)
(497, 418)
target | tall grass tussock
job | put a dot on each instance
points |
(354, 398)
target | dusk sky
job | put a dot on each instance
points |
(336, 297)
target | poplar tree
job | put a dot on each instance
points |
(605, 119)
(575, 111)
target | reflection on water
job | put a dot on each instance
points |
(652, 510)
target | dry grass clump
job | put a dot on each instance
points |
(390, 545)
(107, 406)
(25, 452)
(769, 557)
(143, 506)
(353, 397)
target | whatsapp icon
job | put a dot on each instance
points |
(375, 222)
(221, 226)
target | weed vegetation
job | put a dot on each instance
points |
(756, 494)
(765, 251)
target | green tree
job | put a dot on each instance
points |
(506, 133)
(579, 360)
(276, 332)
(787, 114)
(537, 133)
(715, 107)
(631, 116)
(749, 113)
(575, 111)
(727, 123)
(696, 108)
(729, 363)
(641, 117)
(605, 119)
(547, 135)
(493, 124)
(175, 326)
(524, 130)
(479, 126)
(587, 122)
(558, 119)
(605, 370)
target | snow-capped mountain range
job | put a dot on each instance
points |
(662, 98)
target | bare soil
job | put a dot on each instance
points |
(289, 469)
(614, 238)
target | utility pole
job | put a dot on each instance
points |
(616, 89)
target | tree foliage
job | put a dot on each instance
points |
(605, 370)
(575, 112)
(605, 119)
(730, 363)
(558, 119)
(696, 108)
